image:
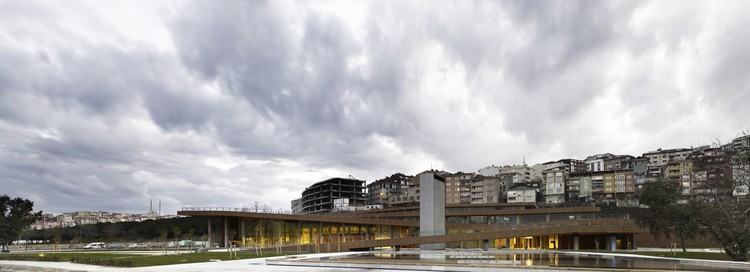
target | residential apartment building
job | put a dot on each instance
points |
(70, 219)
(379, 192)
(578, 187)
(458, 188)
(521, 194)
(711, 173)
(405, 196)
(618, 186)
(657, 159)
(553, 185)
(518, 173)
(619, 162)
(570, 165)
(742, 142)
(596, 162)
(486, 189)
(678, 174)
(703, 173)
(640, 169)
(297, 206)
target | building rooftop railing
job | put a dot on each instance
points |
(345, 214)
(234, 209)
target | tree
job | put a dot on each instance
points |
(177, 231)
(664, 217)
(726, 213)
(16, 214)
(659, 197)
(686, 223)
(727, 222)
(163, 238)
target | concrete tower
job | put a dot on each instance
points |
(431, 208)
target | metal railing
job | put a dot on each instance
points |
(232, 209)
(524, 221)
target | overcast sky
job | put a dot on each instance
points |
(106, 105)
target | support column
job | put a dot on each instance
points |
(612, 242)
(576, 238)
(209, 234)
(544, 242)
(507, 243)
(226, 232)
(242, 231)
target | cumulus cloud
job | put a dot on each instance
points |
(225, 103)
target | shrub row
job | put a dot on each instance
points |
(102, 262)
(26, 257)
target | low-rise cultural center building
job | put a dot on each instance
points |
(494, 225)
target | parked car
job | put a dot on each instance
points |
(136, 245)
(96, 245)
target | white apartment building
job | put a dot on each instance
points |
(554, 185)
(521, 194)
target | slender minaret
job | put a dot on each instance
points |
(151, 206)
(159, 207)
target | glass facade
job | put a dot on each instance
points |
(264, 233)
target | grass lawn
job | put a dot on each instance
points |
(129, 260)
(141, 260)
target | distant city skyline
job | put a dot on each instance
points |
(107, 105)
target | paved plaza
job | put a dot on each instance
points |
(260, 264)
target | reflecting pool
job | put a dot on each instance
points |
(535, 259)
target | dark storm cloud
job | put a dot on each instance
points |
(557, 70)
(296, 81)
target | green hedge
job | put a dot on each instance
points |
(102, 262)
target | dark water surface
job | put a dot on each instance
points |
(540, 259)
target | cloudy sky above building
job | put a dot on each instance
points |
(106, 105)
